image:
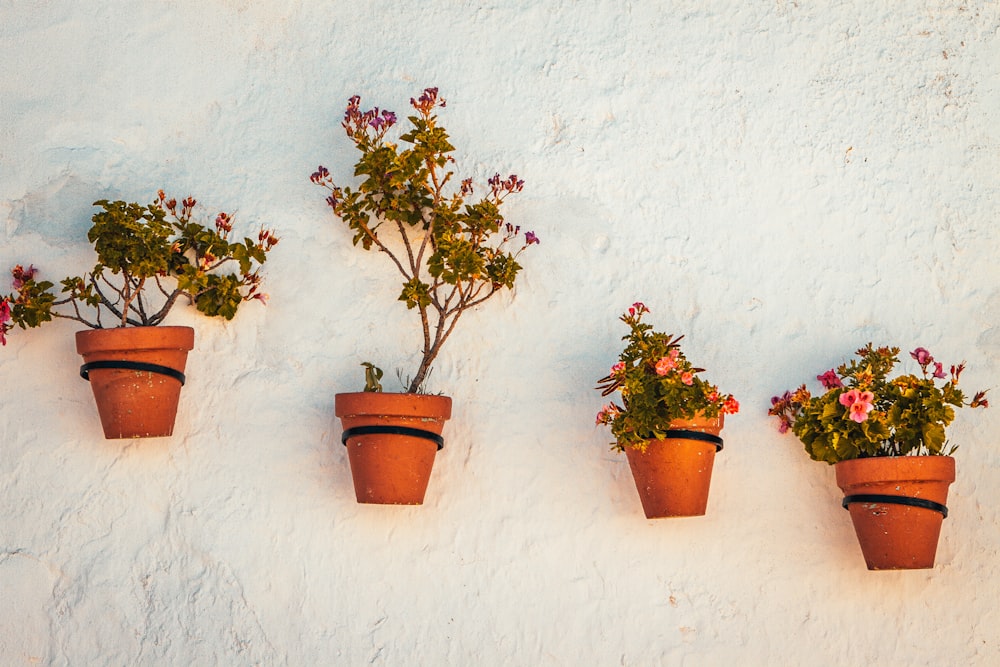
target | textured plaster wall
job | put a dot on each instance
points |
(780, 181)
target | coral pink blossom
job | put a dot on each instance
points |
(665, 365)
(687, 378)
(617, 368)
(731, 406)
(858, 403)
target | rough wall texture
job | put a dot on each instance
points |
(780, 181)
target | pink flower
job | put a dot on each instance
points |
(939, 370)
(606, 414)
(4, 319)
(858, 404)
(731, 406)
(922, 356)
(665, 365)
(617, 368)
(687, 378)
(637, 307)
(830, 380)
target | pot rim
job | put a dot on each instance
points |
(392, 404)
(875, 469)
(90, 341)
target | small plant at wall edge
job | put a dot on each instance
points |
(149, 258)
(886, 439)
(668, 420)
(453, 252)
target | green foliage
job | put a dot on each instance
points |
(36, 306)
(864, 413)
(373, 377)
(452, 254)
(139, 248)
(658, 385)
(130, 239)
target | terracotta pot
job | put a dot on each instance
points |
(391, 441)
(673, 475)
(897, 536)
(136, 374)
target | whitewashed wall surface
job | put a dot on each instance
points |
(781, 181)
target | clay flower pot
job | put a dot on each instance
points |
(673, 475)
(391, 441)
(897, 505)
(136, 374)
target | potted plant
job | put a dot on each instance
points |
(886, 439)
(668, 421)
(148, 258)
(452, 253)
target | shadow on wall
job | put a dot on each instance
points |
(61, 210)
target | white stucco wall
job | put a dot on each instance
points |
(780, 181)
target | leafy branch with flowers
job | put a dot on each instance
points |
(453, 253)
(657, 384)
(145, 252)
(864, 413)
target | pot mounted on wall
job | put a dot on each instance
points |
(391, 441)
(136, 374)
(673, 475)
(897, 505)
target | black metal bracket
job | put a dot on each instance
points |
(895, 500)
(696, 435)
(392, 430)
(131, 366)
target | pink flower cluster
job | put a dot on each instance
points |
(5, 325)
(20, 276)
(637, 307)
(607, 414)
(669, 363)
(858, 404)
(830, 380)
(925, 359)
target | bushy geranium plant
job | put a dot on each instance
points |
(453, 253)
(657, 385)
(148, 257)
(864, 413)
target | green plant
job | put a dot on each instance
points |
(657, 385)
(140, 251)
(453, 255)
(863, 413)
